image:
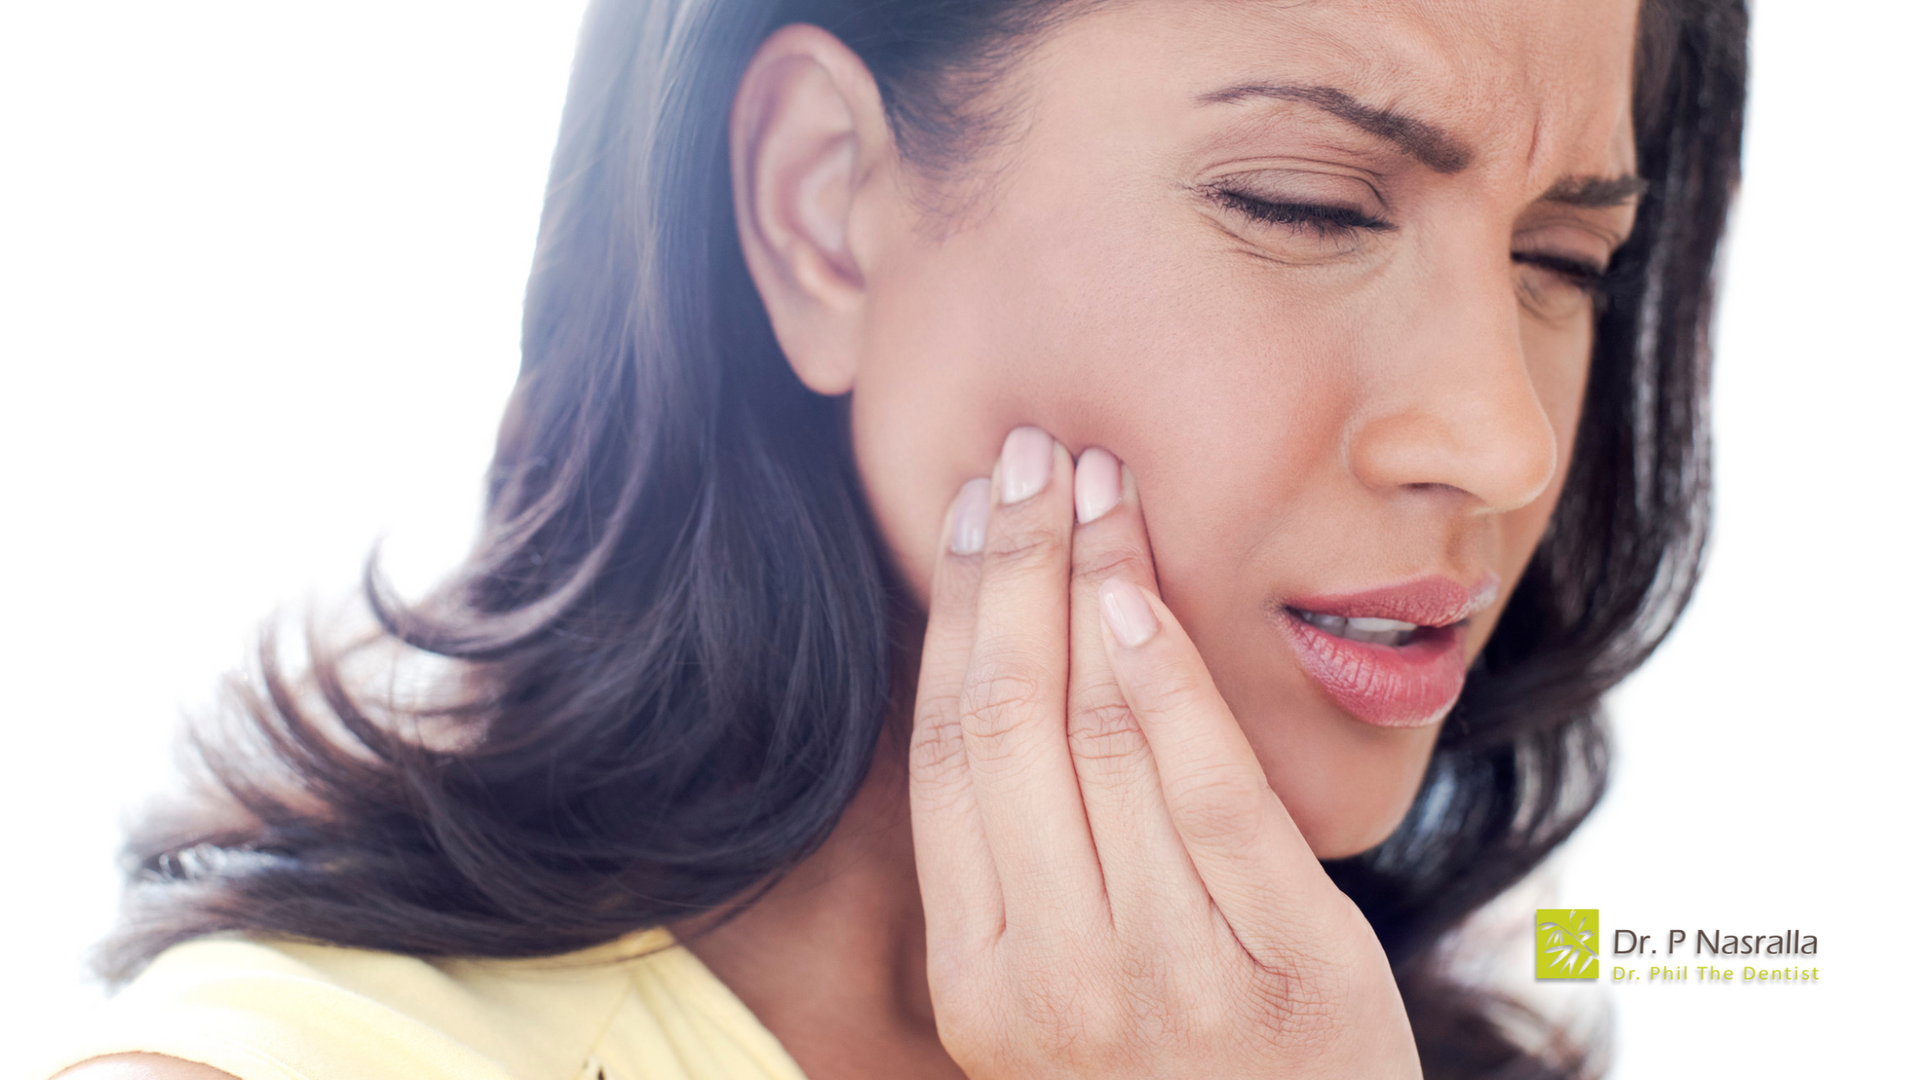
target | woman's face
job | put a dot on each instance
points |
(1313, 272)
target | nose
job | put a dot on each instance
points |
(1454, 405)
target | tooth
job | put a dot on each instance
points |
(1332, 624)
(1375, 626)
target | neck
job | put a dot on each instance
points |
(833, 958)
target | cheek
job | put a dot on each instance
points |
(1227, 394)
(1103, 333)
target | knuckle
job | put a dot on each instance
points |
(1023, 544)
(995, 702)
(938, 745)
(1105, 731)
(1097, 563)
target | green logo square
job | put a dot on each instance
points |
(1566, 943)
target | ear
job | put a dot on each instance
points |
(808, 138)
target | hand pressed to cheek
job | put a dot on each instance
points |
(1110, 886)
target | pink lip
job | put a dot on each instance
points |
(1411, 685)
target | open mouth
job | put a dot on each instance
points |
(1373, 631)
(1392, 656)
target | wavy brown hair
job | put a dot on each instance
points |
(671, 645)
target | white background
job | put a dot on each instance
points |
(258, 308)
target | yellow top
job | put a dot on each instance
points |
(641, 1008)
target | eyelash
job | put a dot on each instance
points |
(1323, 220)
(1330, 221)
(1594, 280)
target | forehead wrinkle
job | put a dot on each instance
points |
(1424, 141)
(1456, 85)
(1435, 80)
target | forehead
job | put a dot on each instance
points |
(1531, 87)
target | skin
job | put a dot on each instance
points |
(1326, 414)
(1300, 413)
(1300, 410)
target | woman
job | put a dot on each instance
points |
(1036, 537)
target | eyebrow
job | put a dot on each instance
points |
(1597, 191)
(1427, 143)
(1424, 142)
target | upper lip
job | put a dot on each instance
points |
(1432, 600)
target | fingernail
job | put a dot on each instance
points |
(1096, 484)
(970, 518)
(1127, 613)
(1025, 460)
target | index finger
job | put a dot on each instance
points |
(959, 889)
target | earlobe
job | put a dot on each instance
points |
(806, 128)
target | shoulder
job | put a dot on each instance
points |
(253, 1010)
(142, 1067)
(282, 1011)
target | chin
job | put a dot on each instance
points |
(1347, 803)
(1355, 834)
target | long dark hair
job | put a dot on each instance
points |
(672, 642)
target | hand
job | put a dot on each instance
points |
(1111, 887)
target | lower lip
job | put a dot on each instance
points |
(1400, 686)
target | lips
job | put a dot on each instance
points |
(1393, 656)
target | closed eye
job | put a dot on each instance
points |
(1584, 274)
(1322, 220)
(1330, 221)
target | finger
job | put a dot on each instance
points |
(958, 885)
(1257, 867)
(1149, 879)
(1014, 696)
